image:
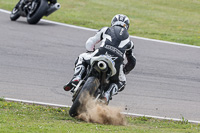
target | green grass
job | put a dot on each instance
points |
(20, 117)
(170, 20)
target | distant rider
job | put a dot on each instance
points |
(115, 42)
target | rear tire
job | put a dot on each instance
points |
(90, 88)
(41, 9)
(15, 13)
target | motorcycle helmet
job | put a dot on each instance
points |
(121, 20)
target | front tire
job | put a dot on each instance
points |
(90, 88)
(15, 13)
(37, 12)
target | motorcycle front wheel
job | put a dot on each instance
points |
(37, 11)
(15, 13)
(90, 88)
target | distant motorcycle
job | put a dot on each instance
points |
(34, 10)
(99, 71)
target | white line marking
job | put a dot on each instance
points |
(2, 10)
(134, 37)
(125, 113)
(34, 102)
(159, 117)
(167, 42)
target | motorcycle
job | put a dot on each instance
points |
(94, 84)
(34, 10)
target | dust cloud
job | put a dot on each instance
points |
(100, 113)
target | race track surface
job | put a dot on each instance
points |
(37, 60)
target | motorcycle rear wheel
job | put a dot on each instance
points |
(36, 14)
(90, 88)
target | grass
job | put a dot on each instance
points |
(170, 20)
(20, 117)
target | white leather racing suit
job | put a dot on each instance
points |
(115, 42)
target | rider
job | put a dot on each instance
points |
(115, 42)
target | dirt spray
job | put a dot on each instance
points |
(100, 113)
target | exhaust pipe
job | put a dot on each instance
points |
(52, 9)
(102, 65)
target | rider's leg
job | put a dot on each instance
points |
(79, 71)
(116, 86)
(113, 89)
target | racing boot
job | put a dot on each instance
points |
(113, 90)
(78, 73)
(121, 85)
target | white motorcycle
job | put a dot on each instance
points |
(99, 71)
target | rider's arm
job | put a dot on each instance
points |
(131, 60)
(92, 41)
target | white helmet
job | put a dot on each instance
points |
(121, 20)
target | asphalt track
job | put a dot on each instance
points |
(37, 60)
